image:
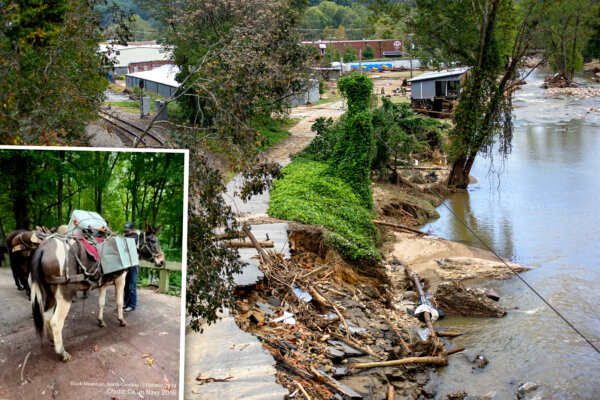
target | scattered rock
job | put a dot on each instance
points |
(461, 268)
(456, 396)
(454, 299)
(480, 361)
(274, 301)
(527, 387)
(491, 294)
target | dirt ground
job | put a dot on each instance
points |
(301, 135)
(107, 363)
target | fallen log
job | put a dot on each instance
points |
(398, 226)
(403, 179)
(409, 360)
(263, 254)
(241, 243)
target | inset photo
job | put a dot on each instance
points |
(92, 272)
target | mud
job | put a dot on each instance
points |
(111, 362)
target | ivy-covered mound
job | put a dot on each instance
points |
(330, 186)
(308, 194)
(328, 183)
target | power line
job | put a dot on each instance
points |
(408, 167)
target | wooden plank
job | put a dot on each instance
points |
(163, 280)
(169, 265)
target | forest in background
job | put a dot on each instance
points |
(44, 187)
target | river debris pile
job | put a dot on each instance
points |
(332, 339)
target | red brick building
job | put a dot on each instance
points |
(147, 65)
(382, 47)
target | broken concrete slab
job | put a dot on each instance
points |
(221, 351)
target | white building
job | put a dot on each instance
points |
(125, 55)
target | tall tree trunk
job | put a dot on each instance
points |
(60, 185)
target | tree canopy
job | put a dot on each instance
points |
(52, 76)
(43, 187)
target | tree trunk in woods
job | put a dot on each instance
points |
(60, 185)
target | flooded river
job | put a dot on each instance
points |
(543, 212)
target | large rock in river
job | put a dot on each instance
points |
(461, 268)
(454, 299)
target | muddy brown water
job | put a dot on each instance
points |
(542, 212)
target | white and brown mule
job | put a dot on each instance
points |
(61, 267)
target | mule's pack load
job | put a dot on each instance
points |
(86, 222)
(112, 252)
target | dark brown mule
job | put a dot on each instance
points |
(20, 247)
(3, 252)
(21, 244)
(63, 260)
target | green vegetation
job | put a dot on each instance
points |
(43, 187)
(328, 182)
(345, 20)
(133, 106)
(349, 54)
(273, 130)
(149, 277)
(369, 53)
(53, 77)
(567, 28)
(309, 194)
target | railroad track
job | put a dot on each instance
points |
(132, 131)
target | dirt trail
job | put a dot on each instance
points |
(301, 135)
(106, 362)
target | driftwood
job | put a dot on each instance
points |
(452, 351)
(357, 346)
(241, 243)
(335, 309)
(397, 332)
(263, 254)
(398, 226)
(302, 390)
(410, 360)
(449, 334)
(315, 272)
(403, 179)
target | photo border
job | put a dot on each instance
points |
(186, 174)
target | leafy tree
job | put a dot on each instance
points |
(352, 21)
(43, 187)
(492, 38)
(351, 158)
(369, 53)
(565, 32)
(230, 72)
(349, 54)
(52, 77)
(240, 61)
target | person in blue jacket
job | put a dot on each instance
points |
(130, 299)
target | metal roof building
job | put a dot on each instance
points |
(446, 83)
(160, 80)
(125, 55)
